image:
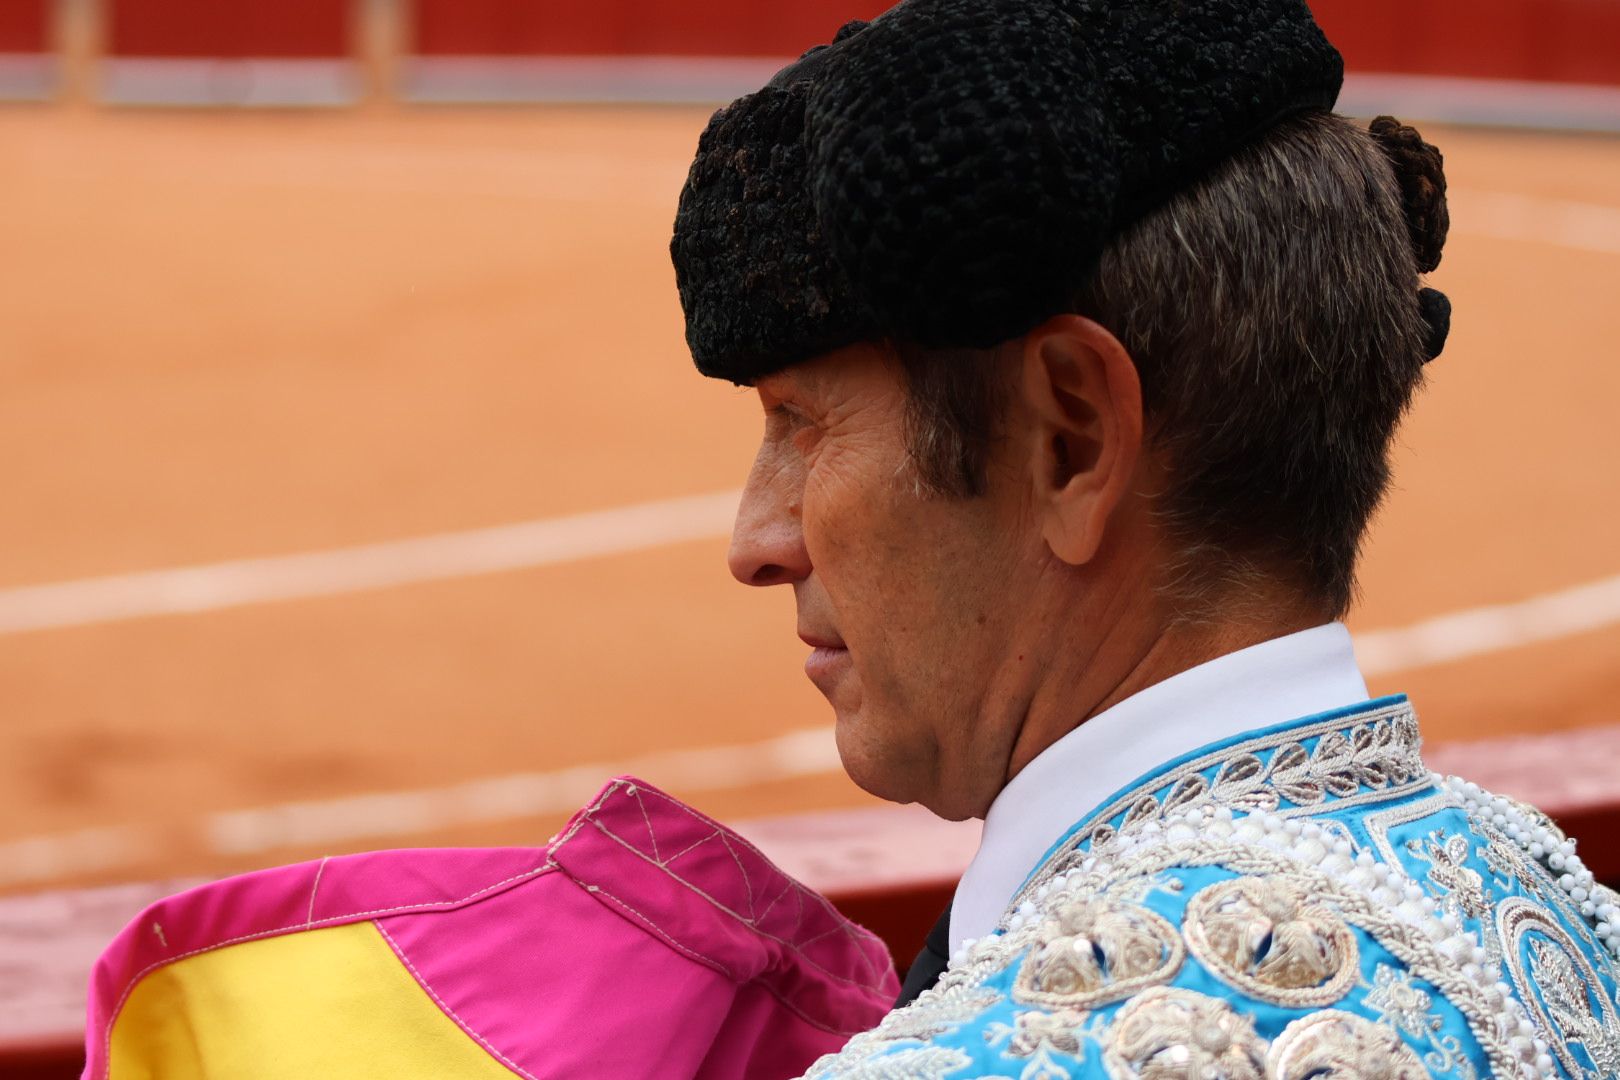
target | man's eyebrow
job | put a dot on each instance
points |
(779, 381)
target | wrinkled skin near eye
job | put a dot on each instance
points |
(903, 596)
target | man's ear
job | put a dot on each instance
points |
(1085, 398)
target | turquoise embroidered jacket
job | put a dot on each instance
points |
(1306, 902)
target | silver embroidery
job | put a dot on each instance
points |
(1448, 869)
(1034, 1031)
(1405, 1008)
(914, 1063)
(1559, 985)
(1566, 997)
(1427, 948)
(1502, 857)
(1093, 950)
(1334, 1045)
(940, 1009)
(1268, 938)
(936, 1011)
(1371, 756)
(1400, 1004)
(1167, 1033)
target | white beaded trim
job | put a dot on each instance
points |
(1549, 849)
(1309, 844)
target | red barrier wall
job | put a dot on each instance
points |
(1552, 40)
(228, 29)
(24, 26)
(630, 27)
(1540, 40)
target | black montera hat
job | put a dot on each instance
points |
(949, 173)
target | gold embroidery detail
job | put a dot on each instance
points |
(1167, 1033)
(1092, 951)
(1334, 1045)
(1266, 937)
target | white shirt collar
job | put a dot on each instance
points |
(1284, 679)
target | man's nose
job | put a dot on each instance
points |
(767, 544)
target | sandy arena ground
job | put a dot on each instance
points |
(241, 335)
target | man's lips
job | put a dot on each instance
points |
(826, 662)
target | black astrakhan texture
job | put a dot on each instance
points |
(948, 174)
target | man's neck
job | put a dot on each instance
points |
(1125, 663)
(1272, 682)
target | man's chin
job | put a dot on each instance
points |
(870, 761)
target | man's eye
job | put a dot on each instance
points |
(787, 422)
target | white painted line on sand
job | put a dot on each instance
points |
(1463, 634)
(87, 851)
(1502, 215)
(1491, 628)
(809, 752)
(316, 824)
(189, 590)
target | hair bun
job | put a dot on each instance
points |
(1420, 170)
(1435, 307)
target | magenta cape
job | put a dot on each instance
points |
(646, 940)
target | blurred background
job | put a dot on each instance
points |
(359, 492)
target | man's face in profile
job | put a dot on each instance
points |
(908, 600)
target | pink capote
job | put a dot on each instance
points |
(646, 941)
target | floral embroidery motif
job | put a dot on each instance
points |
(1399, 1003)
(1091, 951)
(1032, 1032)
(1377, 757)
(1405, 1008)
(1334, 1045)
(1566, 996)
(1438, 1006)
(1371, 756)
(1167, 1033)
(1560, 985)
(1448, 868)
(1266, 937)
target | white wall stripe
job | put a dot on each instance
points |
(190, 590)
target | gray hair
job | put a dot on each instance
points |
(1272, 312)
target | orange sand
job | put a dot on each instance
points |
(227, 335)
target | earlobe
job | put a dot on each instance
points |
(1085, 401)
